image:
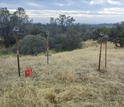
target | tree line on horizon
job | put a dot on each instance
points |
(64, 34)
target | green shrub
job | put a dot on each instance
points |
(68, 41)
(31, 45)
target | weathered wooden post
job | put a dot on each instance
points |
(106, 40)
(103, 39)
(16, 30)
(100, 53)
(106, 54)
(47, 46)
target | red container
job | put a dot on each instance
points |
(28, 72)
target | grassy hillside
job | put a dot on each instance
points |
(70, 80)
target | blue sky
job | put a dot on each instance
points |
(83, 11)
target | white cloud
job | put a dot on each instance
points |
(112, 2)
(112, 11)
(55, 13)
(33, 4)
(59, 4)
(94, 2)
(107, 14)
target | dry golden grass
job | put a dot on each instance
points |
(70, 80)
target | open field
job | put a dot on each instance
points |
(70, 80)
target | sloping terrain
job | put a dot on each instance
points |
(70, 80)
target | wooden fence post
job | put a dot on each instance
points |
(99, 66)
(106, 54)
(16, 29)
